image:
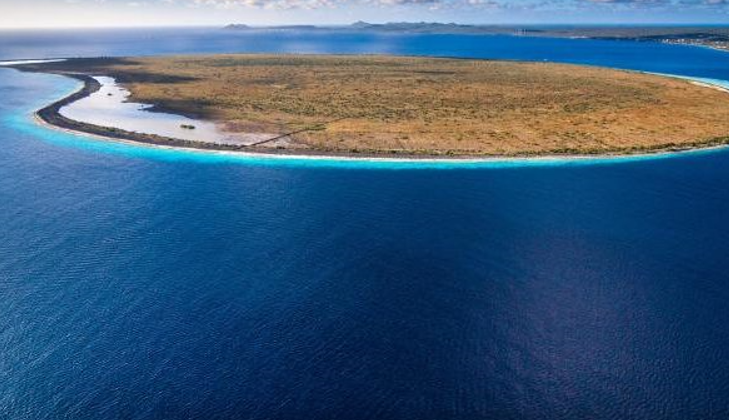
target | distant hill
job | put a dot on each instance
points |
(238, 26)
(423, 27)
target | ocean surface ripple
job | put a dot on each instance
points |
(142, 286)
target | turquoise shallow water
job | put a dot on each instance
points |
(139, 283)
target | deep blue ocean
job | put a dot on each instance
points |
(138, 283)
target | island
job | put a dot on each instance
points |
(409, 106)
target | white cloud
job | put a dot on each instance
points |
(317, 4)
(267, 4)
(449, 4)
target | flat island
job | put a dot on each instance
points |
(383, 105)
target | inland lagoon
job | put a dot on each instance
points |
(147, 283)
(110, 107)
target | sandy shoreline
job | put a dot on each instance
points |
(379, 158)
(49, 117)
(710, 86)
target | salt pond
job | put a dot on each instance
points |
(109, 107)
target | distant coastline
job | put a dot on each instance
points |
(714, 37)
(51, 116)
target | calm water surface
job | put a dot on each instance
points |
(139, 284)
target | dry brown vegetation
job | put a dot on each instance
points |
(431, 105)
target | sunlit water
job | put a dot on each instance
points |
(141, 283)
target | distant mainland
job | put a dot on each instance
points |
(708, 36)
(408, 106)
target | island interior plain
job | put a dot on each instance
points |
(386, 105)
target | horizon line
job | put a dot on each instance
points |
(335, 25)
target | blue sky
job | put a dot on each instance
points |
(103, 13)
